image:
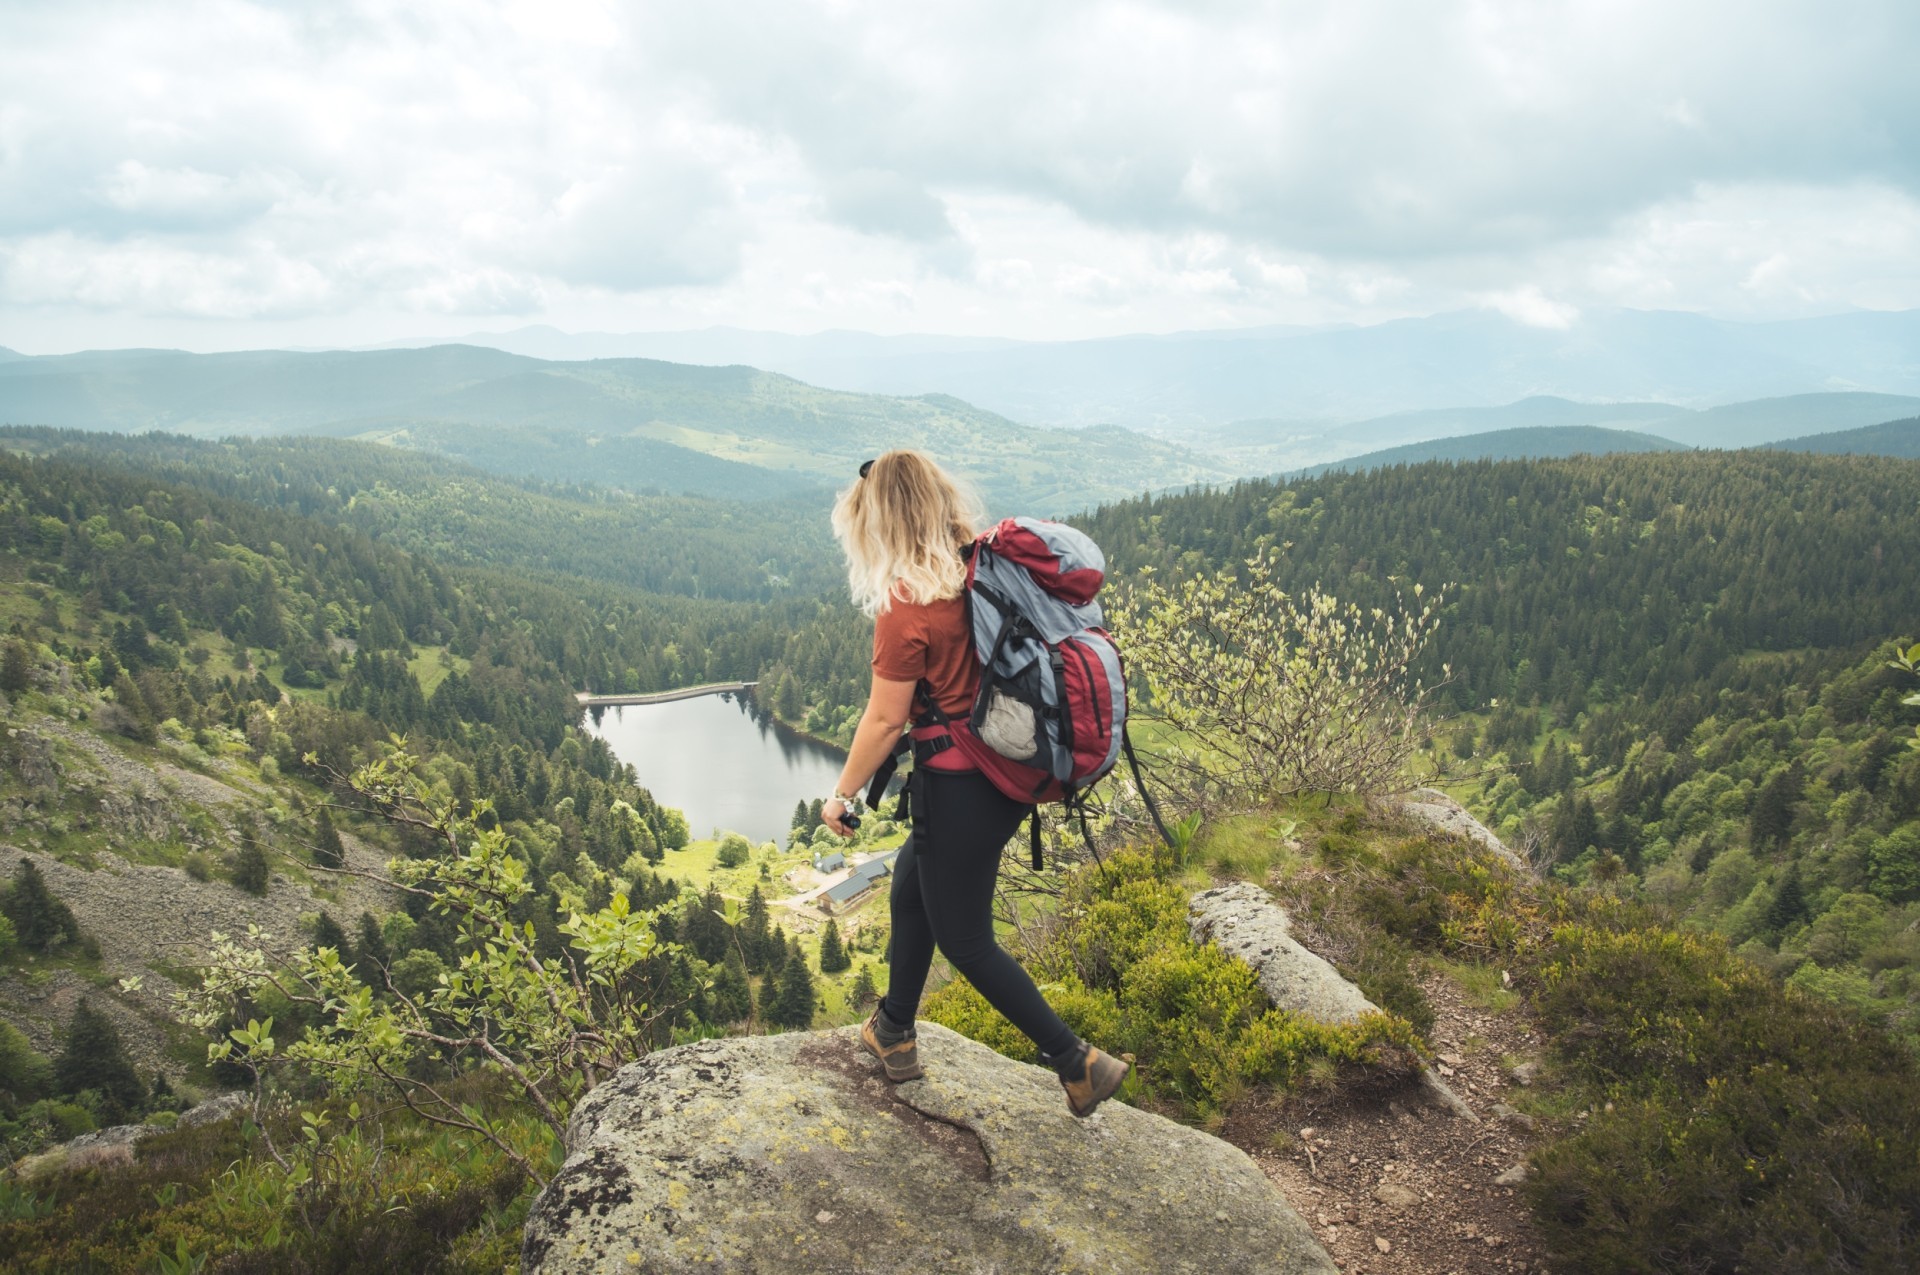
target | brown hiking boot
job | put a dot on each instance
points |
(899, 1054)
(1097, 1083)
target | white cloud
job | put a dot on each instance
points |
(352, 170)
(1530, 306)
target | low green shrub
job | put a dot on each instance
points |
(1122, 971)
(1383, 968)
(1736, 1125)
(1094, 1015)
(374, 1192)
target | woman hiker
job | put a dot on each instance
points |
(903, 526)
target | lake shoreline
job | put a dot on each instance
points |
(719, 758)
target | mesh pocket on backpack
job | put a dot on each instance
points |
(1007, 725)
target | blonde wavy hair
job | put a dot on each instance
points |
(902, 527)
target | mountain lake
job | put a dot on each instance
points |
(721, 761)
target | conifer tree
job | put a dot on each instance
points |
(864, 993)
(1772, 819)
(328, 850)
(139, 717)
(16, 667)
(95, 1059)
(1789, 904)
(705, 930)
(41, 920)
(793, 1005)
(327, 933)
(755, 937)
(833, 956)
(731, 998)
(374, 954)
(250, 870)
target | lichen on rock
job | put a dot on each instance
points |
(791, 1154)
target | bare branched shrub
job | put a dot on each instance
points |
(553, 1028)
(1271, 694)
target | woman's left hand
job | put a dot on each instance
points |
(833, 815)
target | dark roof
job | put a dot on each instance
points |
(877, 867)
(852, 888)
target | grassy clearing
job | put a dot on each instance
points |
(1480, 984)
(697, 865)
(1248, 848)
(430, 666)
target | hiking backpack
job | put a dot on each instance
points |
(1050, 718)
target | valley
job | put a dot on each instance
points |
(1662, 674)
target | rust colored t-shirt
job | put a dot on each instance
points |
(913, 640)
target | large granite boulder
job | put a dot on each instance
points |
(1443, 812)
(1244, 922)
(790, 1154)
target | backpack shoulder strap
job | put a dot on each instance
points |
(1140, 780)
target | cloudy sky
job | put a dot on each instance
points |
(224, 174)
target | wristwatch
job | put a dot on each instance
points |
(851, 803)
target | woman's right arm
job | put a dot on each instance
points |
(889, 705)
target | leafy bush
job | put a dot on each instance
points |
(734, 850)
(555, 1027)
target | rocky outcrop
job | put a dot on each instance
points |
(110, 1147)
(152, 921)
(789, 1154)
(1243, 921)
(1432, 806)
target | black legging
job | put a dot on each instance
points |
(943, 893)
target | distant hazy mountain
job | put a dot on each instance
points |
(1769, 420)
(1893, 438)
(1526, 443)
(1187, 382)
(823, 358)
(1278, 446)
(627, 422)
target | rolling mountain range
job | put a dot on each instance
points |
(631, 423)
(741, 433)
(1892, 438)
(1184, 382)
(1541, 442)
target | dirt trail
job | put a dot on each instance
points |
(1390, 1184)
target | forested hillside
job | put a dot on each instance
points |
(1893, 438)
(738, 550)
(1669, 672)
(1669, 679)
(187, 675)
(736, 592)
(1527, 443)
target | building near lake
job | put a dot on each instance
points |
(864, 877)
